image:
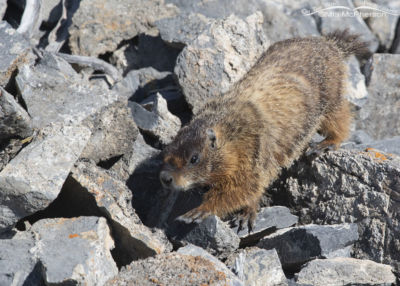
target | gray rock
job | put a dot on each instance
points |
(33, 179)
(136, 80)
(113, 23)
(360, 187)
(359, 137)
(333, 19)
(139, 155)
(113, 132)
(268, 219)
(17, 264)
(213, 235)
(74, 100)
(14, 120)
(219, 56)
(357, 90)
(114, 201)
(158, 122)
(257, 267)
(15, 51)
(383, 22)
(73, 250)
(345, 271)
(175, 269)
(3, 7)
(390, 145)
(9, 150)
(183, 28)
(219, 266)
(379, 115)
(298, 245)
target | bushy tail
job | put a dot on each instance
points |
(349, 44)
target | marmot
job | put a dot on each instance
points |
(238, 143)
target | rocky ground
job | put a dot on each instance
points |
(92, 90)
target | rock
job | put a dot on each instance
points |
(14, 120)
(74, 100)
(391, 145)
(357, 91)
(113, 23)
(383, 22)
(157, 122)
(113, 132)
(17, 264)
(345, 271)
(3, 7)
(139, 156)
(174, 269)
(33, 179)
(219, 56)
(268, 219)
(113, 200)
(183, 28)
(297, 245)
(192, 250)
(211, 234)
(137, 84)
(349, 186)
(73, 250)
(333, 19)
(379, 115)
(15, 51)
(8, 150)
(257, 267)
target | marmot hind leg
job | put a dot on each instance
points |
(335, 127)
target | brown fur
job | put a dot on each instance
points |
(263, 123)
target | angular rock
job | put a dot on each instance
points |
(15, 51)
(14, 120)
(183, 28)
(383, 22)
(174, 269)
(113, 132)
(333, 19)
(268, 219)
(356, 91)
(212, 234)
(390, 145)
(17, 264)
(33, 179)
(73, 250)
(345, 271)
(379, 115)
(139, 155)
(3, 7)
(74, 100)
(298, 245)
(192, 250)
(257, 267)
(360, 187)
(219, 56)
(113, 23)
(158, 122)
(9, 150)
(114, 201)
(137, 84)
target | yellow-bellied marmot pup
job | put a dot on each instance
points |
(238, 143)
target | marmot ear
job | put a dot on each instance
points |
(212, 137)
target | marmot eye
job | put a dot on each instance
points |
(195, 159)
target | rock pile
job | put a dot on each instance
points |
(92, 90)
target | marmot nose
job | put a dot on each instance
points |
(165, 178)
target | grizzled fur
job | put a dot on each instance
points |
(237, 144)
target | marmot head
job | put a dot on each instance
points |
(190, 157)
